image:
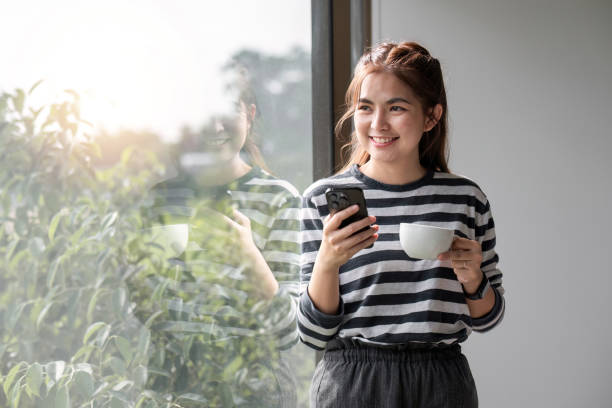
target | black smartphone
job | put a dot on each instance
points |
(339, 198)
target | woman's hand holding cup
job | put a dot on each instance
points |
(465, 256)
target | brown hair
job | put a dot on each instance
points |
(412, 64)
(246, 95)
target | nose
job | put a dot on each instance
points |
(219, 126)
(379, 121)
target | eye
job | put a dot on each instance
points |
(397, 108)
(364, 108)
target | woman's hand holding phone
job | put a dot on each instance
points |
(338, 245)
(346, 231)
(264, 281)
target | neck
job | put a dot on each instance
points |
(220, 173)
(393, 173)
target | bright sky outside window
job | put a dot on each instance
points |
(143, 64)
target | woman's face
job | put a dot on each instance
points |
(389, 119)
(226, 133)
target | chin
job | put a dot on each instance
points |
(383, 158)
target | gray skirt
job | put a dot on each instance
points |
(352, 374)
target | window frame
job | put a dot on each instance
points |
(341, 30)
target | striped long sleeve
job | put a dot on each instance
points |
(281, 252)
(273, 205)
(386, 297)
(485, 235)
(316, 328)
(215, 279)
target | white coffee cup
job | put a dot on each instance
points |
(425, 241)
(172, 238)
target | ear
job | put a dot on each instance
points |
(433, 117)
(251, 110)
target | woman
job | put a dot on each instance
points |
(231, 308)
(391, 325)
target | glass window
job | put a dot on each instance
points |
(151, 159)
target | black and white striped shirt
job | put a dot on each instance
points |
(387, 297)
(215, 283)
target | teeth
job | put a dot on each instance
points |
(382, 139)
(216, 142)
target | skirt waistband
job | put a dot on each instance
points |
(350, 349)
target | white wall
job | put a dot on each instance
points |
(530, 86)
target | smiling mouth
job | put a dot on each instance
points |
(217, 142)
(383, 141)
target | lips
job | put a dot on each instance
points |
(382, 141)
(217, 142)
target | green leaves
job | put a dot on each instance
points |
(34, 378)
(84, 383)
(232, 367)
(79, 283)
(119, 299)
(14, 314)
(109, 219)
(55, 370)
(64, 262)
(3, 348)
(35, 86)
(55, 222)
(11, 249)
(53, 268)
(92, 303)
(118, 366)
(11, 376)
(192, 398)
(42, 314)
(37, 246)
(19, 100)
(91, 330)
(62, 397)
(123, 384)
(124, 348)
(15, 394)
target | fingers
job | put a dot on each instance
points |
(357, 225)
(210, 212)
(242, 219)
(456, 255)
(359, 238)
(338, 249)
(462, 264)
(229, 221)
(350, 235)
(332, 229)
(363, 244)
(335, 219)
(462, 249)
(465, 257)
(464, 243)
(360, 241)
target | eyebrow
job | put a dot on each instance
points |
(389, 102)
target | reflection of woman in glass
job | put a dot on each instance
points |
(229, 296)
(390, 324)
